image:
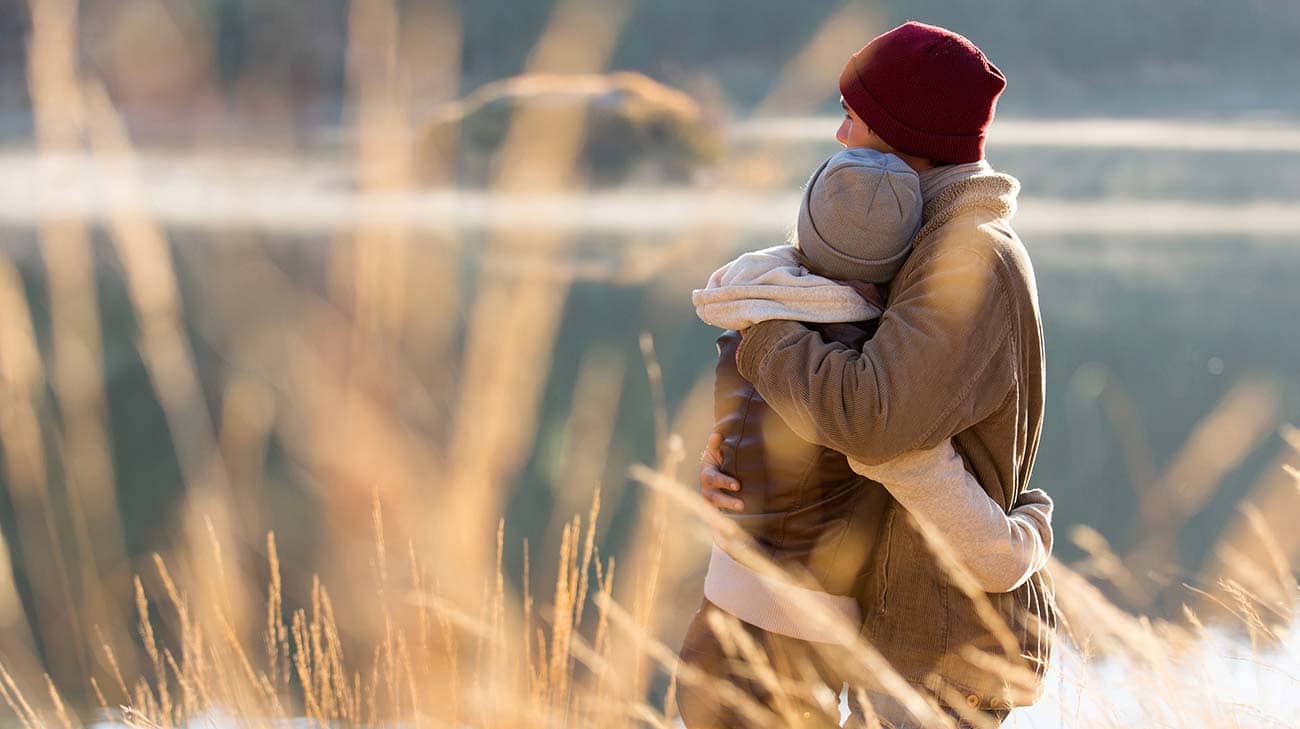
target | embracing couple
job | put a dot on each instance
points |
(879, 400)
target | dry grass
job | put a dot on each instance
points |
(408, 429)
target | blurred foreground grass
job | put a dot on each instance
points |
(397, 380)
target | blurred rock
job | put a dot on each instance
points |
(634, 130)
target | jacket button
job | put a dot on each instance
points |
(973, 701)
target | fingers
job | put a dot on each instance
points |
(716, 487)
(723, 501)
(712, 454)
(712, 478)
(719, 489)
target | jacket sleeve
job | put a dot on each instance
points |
(940, 362)
(1000, 551)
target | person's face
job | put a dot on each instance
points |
(853, 132)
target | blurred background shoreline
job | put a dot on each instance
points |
(407, 283)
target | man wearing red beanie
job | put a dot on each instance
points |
(958, 354)
(926, 91)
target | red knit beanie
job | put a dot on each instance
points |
(924, 90)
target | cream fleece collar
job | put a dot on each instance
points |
(952, 189)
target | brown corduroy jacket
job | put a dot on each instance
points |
(959, 353)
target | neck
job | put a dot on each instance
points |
(920, 164)
(935, 179)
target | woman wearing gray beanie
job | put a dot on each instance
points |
(860, 210)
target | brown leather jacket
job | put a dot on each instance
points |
(804, 506)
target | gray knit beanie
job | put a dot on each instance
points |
(859, 213)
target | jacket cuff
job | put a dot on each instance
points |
(760, 340)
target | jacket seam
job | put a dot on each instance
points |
(886, 562)
(744, 423)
